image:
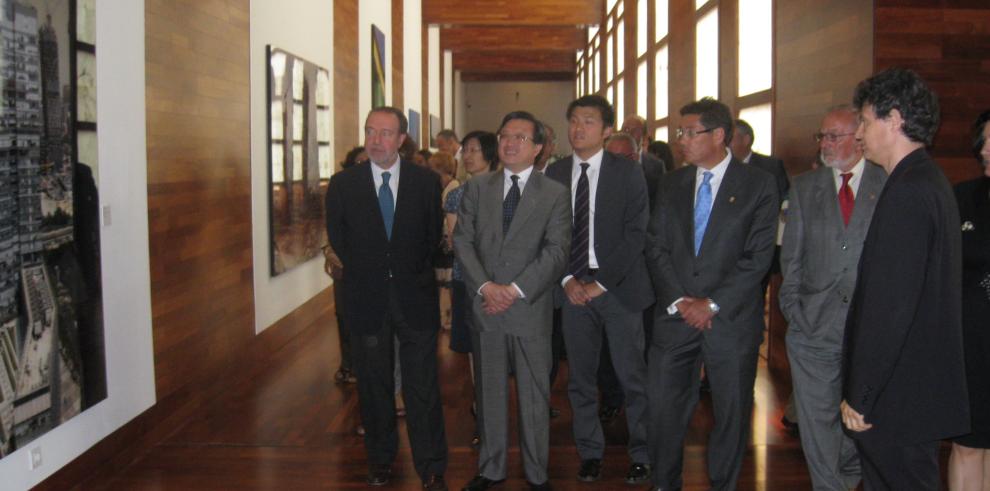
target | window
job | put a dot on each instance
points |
(641, 23)
(661, 134)
(660, 20)
(641, 89)
(609, 60)
(661, 80)
(761, 119)
(620, 48)
(619, 101)
(706, 55)
(755, 46)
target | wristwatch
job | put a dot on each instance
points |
(713, 306)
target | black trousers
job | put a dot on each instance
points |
(373, 360)
(342, 330)
(886, 467)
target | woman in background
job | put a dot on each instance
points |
(969, 465)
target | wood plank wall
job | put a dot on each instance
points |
(947, 43)
(823, 50)
(397, 78)
(345, 73)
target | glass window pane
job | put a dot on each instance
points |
(660, 19)
(755, 46)
(609, 60)
(661, 134)
(642, 89)
(660, 80)
(706, 56)
(609, 95)
(620, 112)
(699, 3)
(608, 6)
(761, 119)
(591, 33)
(620, 45)
(619, 9)
(641, 23)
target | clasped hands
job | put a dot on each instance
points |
(498, 298)
(579, 293)
(852, 419)
(696, 312)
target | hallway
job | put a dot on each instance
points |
(287, 426)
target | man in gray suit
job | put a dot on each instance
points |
(710, 243)
(829, 213)
(512, 237)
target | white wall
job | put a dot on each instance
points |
(460, 105)
(311, 38)
(488, 102)
(379, 13)
(412, 57)
(448, 89)
(123, 188)
(433, 73)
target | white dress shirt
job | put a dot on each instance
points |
(857, 177)
(393, 180)
(594, 170)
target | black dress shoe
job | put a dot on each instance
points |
(435, 483)
(379, 474)
(638, 473)
(591, 470)
(481, 483)
(540, 487)
(608, 413)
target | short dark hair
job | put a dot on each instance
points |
(448, 134)
(904, 90)
(489, 146)
(403, 122)
(978, 140)
(744, 128)
(713, 114)
(597, 102)
(539, 134)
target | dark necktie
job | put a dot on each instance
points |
(846, 198)
(580, 235)
(386, 202)
(509, 204)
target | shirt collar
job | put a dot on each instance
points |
(594, 162)
(857, 170)
(523, 176)
(394, 170)
(719, 170)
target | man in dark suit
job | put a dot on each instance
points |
(710, 244)
(742, 150)
(606, 285)
(904, 385)
(827, 219)
(512, 237)
(384, 223)
(653, 166)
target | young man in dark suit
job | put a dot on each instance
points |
(606, 286)
(710, 244)
(384, 222)
(904, 385)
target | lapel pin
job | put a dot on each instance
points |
(968, 226)
(732, 199)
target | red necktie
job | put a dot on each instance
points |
(846, 198)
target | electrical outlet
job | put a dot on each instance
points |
(34, 457)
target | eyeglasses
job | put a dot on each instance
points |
(691, 132)
(831, 137)
(514, 138)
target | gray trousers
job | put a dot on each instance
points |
(583, 327)
(816, 374)
(529, 358)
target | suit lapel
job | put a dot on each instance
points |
(825, 192)
(685, 211)
(725, 203)
(369, 195)
(605, 193)
(405, 198)
(494, 191)
(527, 204)
(866, 197)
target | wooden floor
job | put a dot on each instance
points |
(289, 427)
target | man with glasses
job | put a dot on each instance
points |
(904, 384)
(829, 212)
(710, 244)
(512, 237)
(384, 222)
(606, 286)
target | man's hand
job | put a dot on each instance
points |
(498, 298)
(576, 293)
(852, 419)
(593, 290)
(332, 264)
(695, 312)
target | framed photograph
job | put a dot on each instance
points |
(377, 67)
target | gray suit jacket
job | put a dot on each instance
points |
(532, 254)
(735, 252)
(820, 254)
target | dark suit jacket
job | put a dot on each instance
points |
(735, 252)
(903, 357)
(372, 262)
(621, 217)
(653, 170)
(774, 166)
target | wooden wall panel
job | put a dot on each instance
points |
(199, 188)
(345, 73)
(823, 49)
(947, 44)
(458, 39)
(532, 12)
(397, 78)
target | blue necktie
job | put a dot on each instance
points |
(509, 204)
(702, 210)
(387, 204)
